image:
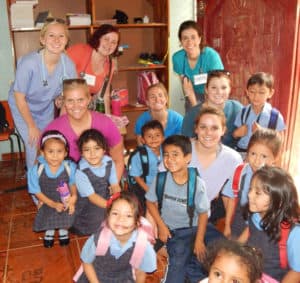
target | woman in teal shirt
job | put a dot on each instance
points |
(193, 62)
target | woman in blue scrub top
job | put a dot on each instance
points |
(38, 82)
(193, 62)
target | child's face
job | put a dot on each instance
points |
(153, 138)
(259, 201)
(54, 152)
(259, 155)
(228, 268)
(76, 102)
(174, 159)
(92, 153)
(209, 130)
(121, 220)
(259, 94)
(218, 91)
(156, 99)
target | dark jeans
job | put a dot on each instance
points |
(183, 265)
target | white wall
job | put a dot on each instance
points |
(6, 63)
(180, 10)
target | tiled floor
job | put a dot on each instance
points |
(23, 259)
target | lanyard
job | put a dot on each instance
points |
(44, 70)
(82, 73)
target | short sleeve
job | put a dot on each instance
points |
(73, 168)
(83, 184)
(33, 180)
(149, 260)
(238, 119)
(202, 203)
(141, 120)
(113, 179)
(135, 168)
(88, 252)
(178, 62)
(293, 248)
(151, 194)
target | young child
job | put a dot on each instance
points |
(157, 102)
(149, 155)
(51, 173)
(95, 174)
(263, 149)
(115, 264)
(259, 113)
(230, 261)
(182, 230)
(274, 225)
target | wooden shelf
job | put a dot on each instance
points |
(39, 28)
(141, 67)
(149, 25)
(134, 108)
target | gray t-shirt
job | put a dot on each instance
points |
(174, 203)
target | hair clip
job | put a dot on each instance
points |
(112, 198)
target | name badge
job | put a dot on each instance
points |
(200, 79)
(90, 79)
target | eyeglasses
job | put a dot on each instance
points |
(218, 72)
(57, 20)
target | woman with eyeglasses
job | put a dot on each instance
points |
(94, 61)
(193, 62)
(38, 82)
(217, 91)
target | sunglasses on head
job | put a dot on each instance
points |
(57, 20)
(217, 72)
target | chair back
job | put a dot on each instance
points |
(8, 114)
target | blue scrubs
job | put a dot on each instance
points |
(40, 89)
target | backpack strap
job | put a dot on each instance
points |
(67, 167)
(160, 187)
(273, 119)
(282, 244)
(243, 118)
(139, 249)
(191, 190)
(41, 166)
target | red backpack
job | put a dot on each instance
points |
(144, 80)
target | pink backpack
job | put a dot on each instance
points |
(144, 80)
(145, 235)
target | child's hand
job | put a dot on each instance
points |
(58, 206)
(39, 204)
(227, 231)
(71, 204)
(241, 131)
(199, 250)
(71, 208)
(164, 233)
(255, 127)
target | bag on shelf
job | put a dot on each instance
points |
(144, 80)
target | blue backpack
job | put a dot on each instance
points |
(191, 189)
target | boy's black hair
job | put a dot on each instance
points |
(261, 78)
(249, 256)
(92, 134)
(180, 141)
(151, 125)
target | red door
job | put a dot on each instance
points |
(257, 35)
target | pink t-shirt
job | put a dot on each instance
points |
(100, 122)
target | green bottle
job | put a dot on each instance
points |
(100, 107)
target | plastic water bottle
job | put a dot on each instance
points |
(116, 104)
(64, 192)
(100, 107)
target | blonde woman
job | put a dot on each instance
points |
(38, 82)
(157, 100)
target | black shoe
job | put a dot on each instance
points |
(48, 243)
(64, 241)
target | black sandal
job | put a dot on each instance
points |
(48, 241)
